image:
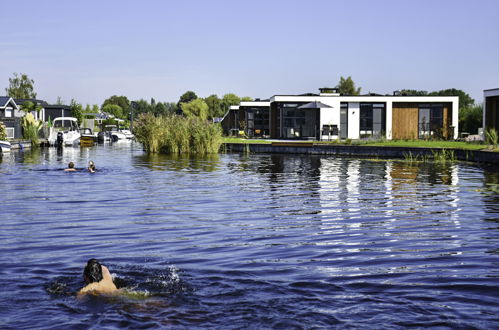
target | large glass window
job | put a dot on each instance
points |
(431, 120)
(344, 120)
(257, 121)
(372, 119)
(298, 123)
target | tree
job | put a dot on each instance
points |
(346, 86)
(470, 118)
(29, 106)
(114, 110)
(214, 106)
(121, 101)
(246, 99)
(195, 108)
(159, 108)
(95, 108)
(185, 98)
(77, 111)
(87, 109)
(59, 101)
(465, 101)
(412, 92)
(21, 87)
(228, 100)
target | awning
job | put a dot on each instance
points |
(314, 105)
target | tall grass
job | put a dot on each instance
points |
(491, 137)
(175, 134)
(31, 127)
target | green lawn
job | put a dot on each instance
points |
(386, 143)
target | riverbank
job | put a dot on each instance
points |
(289, 147)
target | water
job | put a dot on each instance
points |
(248, 241)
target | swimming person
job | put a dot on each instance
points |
(91, 167)
(71, 167)
(97, 279)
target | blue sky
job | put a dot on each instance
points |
(90, 50)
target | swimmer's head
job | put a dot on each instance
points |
(91, 163)
(71, 165)
(93, 271)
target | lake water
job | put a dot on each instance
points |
(248, 241)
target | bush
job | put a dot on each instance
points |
(31, 127)
(3, 131)
(177, 135)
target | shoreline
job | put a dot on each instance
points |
(477, 156)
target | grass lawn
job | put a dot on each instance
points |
(386, 143)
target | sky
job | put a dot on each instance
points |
(90, 50)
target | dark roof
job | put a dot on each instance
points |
(36, 101)
(4, 100)
(57, 106)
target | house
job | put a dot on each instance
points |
(329, 115)
(10, 116)
(491, 109)
(39, 115)
(50, 112)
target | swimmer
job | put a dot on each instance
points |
(91, 167)
(97, 279)
(71, 167)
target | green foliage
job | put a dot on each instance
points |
(3, 131)
(21, 87)
(186, 98)
(491, 137)
(228, 100)
(465, 101)
(122, 102)
(31, 107)
(114, 110)
(412, 92)
(31, 127)
(59, 101)
(195, 108)
(346, 86)
(214, 106)
(77, 111)
(95, 108)
(177, 134)
(246, 99)
(470, 118)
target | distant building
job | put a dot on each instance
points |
(329, 115)
(11, 117)
(491, 109)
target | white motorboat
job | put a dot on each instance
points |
(64, 131)
(114, 133)
(128, 134)
(4, 146)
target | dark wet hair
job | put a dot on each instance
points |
(93, 271)
(71, 165)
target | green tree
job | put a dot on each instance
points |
(228, 100)
(412, 92)
(159, 108)
(95, 108)
(246, 99)
(21, 87)
(195, 108)
(465, 101)
(214, 106)
(114, 110)
(31, 107)
(77, 111)
(87, 109)
(346, 86)
(142, 106)
(122, 102)
(3, 131)
(185, 98)
(470, 118)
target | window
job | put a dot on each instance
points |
(430, 120)
(10, 132)
(372, 119)
(344, 120)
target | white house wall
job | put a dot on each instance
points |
(353, 120)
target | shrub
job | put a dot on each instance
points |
(176, 134)
(3, 131)
(31, 127)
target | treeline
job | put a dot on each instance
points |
(189, 104)
(470, 112)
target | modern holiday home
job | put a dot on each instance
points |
(329, 115)
(491, 109)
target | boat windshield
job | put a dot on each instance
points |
(66, 124)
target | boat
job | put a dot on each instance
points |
(114, 133)
(64, 131)
(87, 138)
(4, 146)
(128, 134)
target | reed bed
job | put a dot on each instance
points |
(174, 134)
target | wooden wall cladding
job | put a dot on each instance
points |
(405, 121)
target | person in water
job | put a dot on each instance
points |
(97, 279)
(71, 167)
(91, 167)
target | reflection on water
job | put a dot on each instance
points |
(248, 241)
